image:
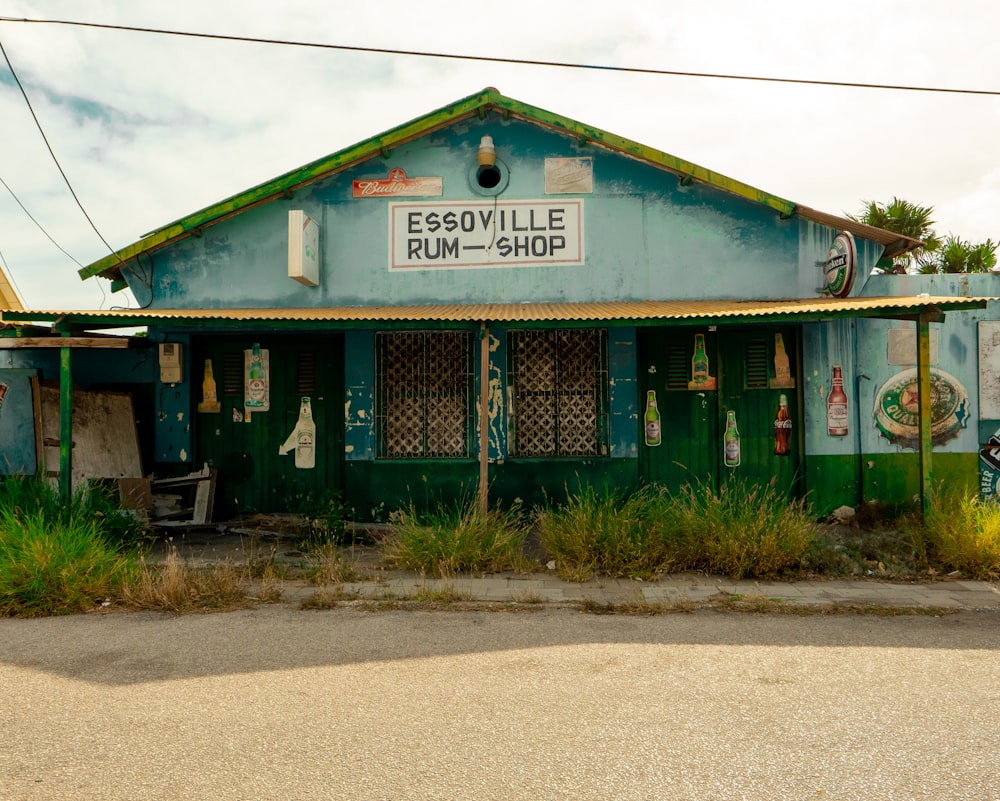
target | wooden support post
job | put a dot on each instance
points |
(484, 419)
(66, 424)
(924, 396)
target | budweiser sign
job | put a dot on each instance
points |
(397, 185)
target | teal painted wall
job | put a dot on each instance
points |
(17, 426)
(646, 237)
(865, 465)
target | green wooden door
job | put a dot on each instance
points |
(688, 451)
(746, 374)
(758, 367)
(252, 476)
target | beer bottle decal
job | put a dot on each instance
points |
(731, 441)
(303, 437)
(652, 420)
(209, 391)
(701, 378)
(699, 362)
(782, 429)
(255, 379)
(782, 370)
(836, 406)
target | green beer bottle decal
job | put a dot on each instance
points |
(652, 420)
(256, 397)
(701, 377)
(731, 441)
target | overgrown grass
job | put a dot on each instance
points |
(611, 533)
(58, 558)
(456, 538)
(118, 528)
(48, 569)
(962, 532)
(178, 586)
(743, 529)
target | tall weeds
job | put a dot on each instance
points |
(178, 586)
(456, 538)
(962, 532)
(611, 533)
(745, 528)
(48, 569)
(742, 529)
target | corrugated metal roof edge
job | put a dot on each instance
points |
(472, 104)
(519, 312)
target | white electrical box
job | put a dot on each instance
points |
(170, 362)
(303, 248)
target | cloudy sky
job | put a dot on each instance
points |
(149, 128)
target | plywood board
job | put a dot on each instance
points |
(105, 443)
(989, 370)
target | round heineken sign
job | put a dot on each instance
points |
(840, 265)
(897, 408)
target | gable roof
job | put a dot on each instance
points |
(8, 295)
(478, 104)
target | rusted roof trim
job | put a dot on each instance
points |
(650, 312)
(893, 242)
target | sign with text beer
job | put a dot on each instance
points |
(519, 233)
(397, 184)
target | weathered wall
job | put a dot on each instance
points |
(646, 236)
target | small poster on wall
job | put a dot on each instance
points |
(257, 371)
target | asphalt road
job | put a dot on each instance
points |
(277, 703)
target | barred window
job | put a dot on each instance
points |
(423, 382)
(558, 382)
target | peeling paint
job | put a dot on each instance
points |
(347, 410)
(348, 449)
(362, 414)
(183, 454)
(180, 416)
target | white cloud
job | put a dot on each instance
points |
(162, 126)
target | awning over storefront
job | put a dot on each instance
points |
(645, 312)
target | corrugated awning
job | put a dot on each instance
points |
(645, 312)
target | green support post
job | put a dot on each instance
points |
(66, 424)
(924, 390)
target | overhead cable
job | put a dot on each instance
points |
(502, 60)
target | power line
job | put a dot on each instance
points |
(41, 130)
(501, 60)
(40, 226)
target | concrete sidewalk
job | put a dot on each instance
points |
(671, 590)
(374, 582)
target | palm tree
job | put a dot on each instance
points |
(956, 255)
(908, 219)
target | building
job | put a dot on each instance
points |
(495, 299)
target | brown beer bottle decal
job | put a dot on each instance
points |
(836, 406)
(782, 429)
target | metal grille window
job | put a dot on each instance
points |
(423, 383)
(558, 382)
(756, 361)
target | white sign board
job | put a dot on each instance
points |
(516, 233)
(989, 370)
(303, 248)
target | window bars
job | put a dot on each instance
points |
(559, 384)
(424, 381)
